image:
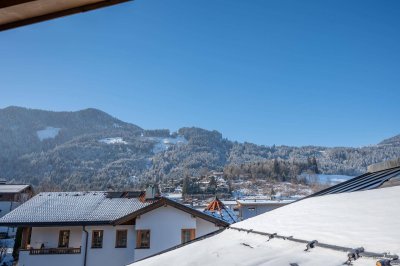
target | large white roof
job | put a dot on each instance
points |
(366, 219)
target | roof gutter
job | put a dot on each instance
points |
(86, 244)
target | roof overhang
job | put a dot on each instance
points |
(168, 202)
(17, 13)
(55, 224)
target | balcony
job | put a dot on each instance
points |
(54, 251)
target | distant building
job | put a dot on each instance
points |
(104, 228)
(12, 196)
(218, 210)
(252, 207)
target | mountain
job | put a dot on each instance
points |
(90, 149)
(391, 141)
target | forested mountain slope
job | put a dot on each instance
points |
(90, 149)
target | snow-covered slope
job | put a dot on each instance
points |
(48, 133)
(117, 140)
(163, 144)
(366, 219)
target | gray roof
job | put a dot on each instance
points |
(73, 208)
(10, 188)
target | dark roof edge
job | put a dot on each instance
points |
(166, 201)
(51, 224)
(61, 13)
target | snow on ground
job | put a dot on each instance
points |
(48, 133)
(174, 195)
(116, 140)
(163, 144)
(360, 219)
(333, 179)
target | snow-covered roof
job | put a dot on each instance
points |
(95, 207)
(73, 207)
(11, 188)
(365, 219)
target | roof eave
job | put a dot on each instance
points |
(165, 201)
(57, 14)
(54, 224)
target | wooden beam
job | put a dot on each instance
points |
(8, 3)
(62, 13)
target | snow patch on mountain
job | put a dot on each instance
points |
(163, 144)
(117, 140)
(48, 133)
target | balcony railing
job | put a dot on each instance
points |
(54, 251)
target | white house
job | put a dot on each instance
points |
(103, 228)
(12, 196)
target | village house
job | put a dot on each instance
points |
(104, 228)
(12, 196)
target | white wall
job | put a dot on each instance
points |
(165, 225)
(108, 254)
(49, 236)
(204, 227)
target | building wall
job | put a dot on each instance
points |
(109, 255)
(247, 212)
(204, 227)
(165, 225)
(49, 236)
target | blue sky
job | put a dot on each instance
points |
(268, 72)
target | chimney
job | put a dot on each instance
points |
(151, 192)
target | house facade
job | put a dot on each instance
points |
(12, 196)
(103, 228)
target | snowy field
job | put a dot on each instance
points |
(163, 144)
(116, 140)
(333, 179)
(48, 133)
(358, 219)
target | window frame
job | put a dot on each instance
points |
(192, 234)
(117, 244)
(139, 242)
(94, 245)
(61, 236)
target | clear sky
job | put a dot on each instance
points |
(269, 72)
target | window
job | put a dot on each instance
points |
(143, 239)
(121, 238)
(251, 208)
(188, 234)
(63, 239)
(97, 239)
